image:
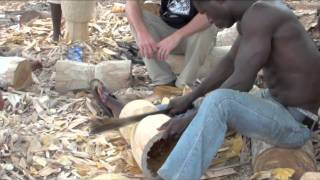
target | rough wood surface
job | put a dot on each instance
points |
(15, 72)
(311, 176)
(72, 75)
(115, 74)
(134, 108)
(77, 14)
(266, 157)
(144, 136)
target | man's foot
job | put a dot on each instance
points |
(101, 95)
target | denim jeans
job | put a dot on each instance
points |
(257, 116)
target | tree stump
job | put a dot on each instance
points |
(15, 72)
(266, 157)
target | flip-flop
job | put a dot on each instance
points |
(96, 86)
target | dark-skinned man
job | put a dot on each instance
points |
(180, 29)
(56, 13)
(272, 39)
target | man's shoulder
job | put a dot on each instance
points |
(264, 15)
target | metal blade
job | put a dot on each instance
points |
(114, 123)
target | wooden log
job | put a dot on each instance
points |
(134, 108)
(71, 75)
(311, 176)
(227, 37)
(15, 72)
(115, 74)
(77, 14)
(266, 157)
(148, 148)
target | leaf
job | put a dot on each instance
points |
(232, 148)
(40, 160)
(48, 171)
(167, 91)
(77, 122)
(283, 173)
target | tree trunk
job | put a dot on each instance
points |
(72, 75)
(266, 157)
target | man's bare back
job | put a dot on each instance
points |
(271, 39)
(292, 71)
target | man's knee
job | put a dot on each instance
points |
(220, 95)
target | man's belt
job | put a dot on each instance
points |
(315, 118)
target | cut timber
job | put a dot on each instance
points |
(148, 148)
(15, 72)
(266, 157)
(77, 14)
(71, 75)
(227, 37)
(114, 74)
(136, 107)
(311, 176)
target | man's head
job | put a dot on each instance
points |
(216, 11)
(223, 13)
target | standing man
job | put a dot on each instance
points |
(272, 39)
(56, 14)
(180, 29)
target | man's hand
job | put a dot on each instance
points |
(168, 44)
(180, 104)
(146, 44)
(175, 126)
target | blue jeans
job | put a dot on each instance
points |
(257, 116)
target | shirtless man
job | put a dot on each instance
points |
(272, 39)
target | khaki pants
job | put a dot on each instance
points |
(194, 48)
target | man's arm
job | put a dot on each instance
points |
(219, 73)
(135, 17)
(215, 78)
(145, 41)
(254, 51)
(197, 24)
